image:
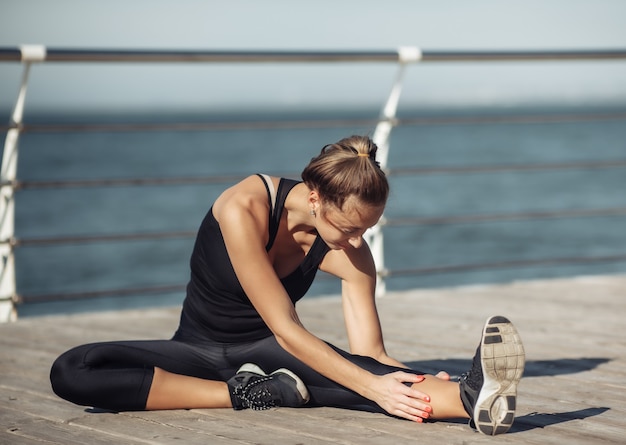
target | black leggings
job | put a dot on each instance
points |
(117, 375)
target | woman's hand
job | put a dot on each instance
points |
(398, 399)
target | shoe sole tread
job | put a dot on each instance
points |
(502, 360)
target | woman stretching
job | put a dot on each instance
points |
(256, 254)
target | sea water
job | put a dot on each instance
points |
(79, 267)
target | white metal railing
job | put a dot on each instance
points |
(8, 176)
(30, 54)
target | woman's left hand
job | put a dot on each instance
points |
(394, 396)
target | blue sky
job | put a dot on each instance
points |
(323, 24)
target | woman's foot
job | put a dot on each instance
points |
(489, 389)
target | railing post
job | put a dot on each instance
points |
(8, 176)
(374, 236)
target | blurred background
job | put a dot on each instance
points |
(325, 24)
(518, 168)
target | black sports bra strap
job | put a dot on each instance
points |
(284, 187)
(277, 203)
(271, 192)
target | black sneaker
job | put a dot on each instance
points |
(252, 388)
(489, 389)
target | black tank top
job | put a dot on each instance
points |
(216, 305)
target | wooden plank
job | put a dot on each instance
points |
(20, 427)
(155, 431)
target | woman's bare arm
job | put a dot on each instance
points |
(242, 215)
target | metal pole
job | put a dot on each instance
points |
(8, 175)
(374, 236)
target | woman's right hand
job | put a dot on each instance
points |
(401, 400)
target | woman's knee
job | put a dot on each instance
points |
(67, 375)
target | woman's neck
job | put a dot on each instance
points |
(297, 210)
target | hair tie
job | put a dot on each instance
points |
(363, 155)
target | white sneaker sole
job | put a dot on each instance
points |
(250, 367)
(502, 358)
(304, 392)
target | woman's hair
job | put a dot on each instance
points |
(348, 168)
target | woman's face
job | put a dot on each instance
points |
(343, 228)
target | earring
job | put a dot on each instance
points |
(312, 212)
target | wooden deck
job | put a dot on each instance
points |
(573, 392)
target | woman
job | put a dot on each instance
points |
(256, 254)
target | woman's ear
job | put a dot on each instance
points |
(314, 200)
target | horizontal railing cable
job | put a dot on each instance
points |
(225, 179)
(77, 239)
(580, 165)
(125, 182)
(505, 264)
(497, 217)
(85, 295)
(136, 291)
(113, 127)
(504, 118)
(392, 222)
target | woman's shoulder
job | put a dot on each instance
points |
(248, 195)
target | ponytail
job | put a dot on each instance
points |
(348, 168)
